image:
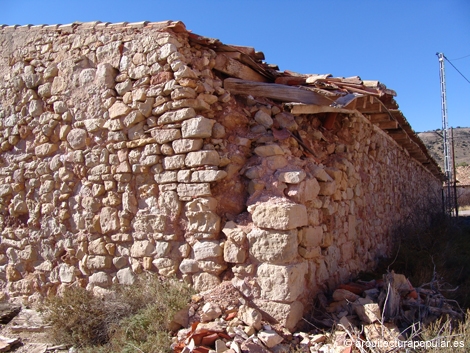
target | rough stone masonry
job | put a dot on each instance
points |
(123, 150)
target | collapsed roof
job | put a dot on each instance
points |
(247, 74)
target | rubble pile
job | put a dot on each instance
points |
(378, 313)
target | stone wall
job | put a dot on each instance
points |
(121, 152)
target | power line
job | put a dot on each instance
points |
(463, 57)
(456, 69)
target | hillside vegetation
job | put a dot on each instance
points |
(433, 141)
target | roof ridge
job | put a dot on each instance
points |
(72, 27)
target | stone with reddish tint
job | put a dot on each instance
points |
(279, 215)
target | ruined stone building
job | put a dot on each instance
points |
(135, 147)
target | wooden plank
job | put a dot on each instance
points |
(380, 118)
(236, 55)
(387, 125)
(298, 109)
(234, 68)
(275, 91)
(247, 50)
(291, 80)
(398, 135)
(330, 121)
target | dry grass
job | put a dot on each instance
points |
(135, 319)
(447, 336)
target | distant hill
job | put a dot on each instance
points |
(433, 141)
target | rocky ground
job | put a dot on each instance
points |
(25, 333)
(358, 313)
(223, 320)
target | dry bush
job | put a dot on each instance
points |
(77, 318)
(463, 195)
(438, 249)
(135, 319)
(447, 336)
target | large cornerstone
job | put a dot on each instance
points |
(138, 147)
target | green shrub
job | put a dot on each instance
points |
(134, 319)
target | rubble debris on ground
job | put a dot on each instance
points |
(374, 312)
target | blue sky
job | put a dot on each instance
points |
(394, 42)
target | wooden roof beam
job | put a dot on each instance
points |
(275, 91)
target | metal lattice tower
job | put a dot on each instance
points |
(448, 191)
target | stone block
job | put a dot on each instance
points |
(198, 127)
(347, 251)
(200, 158)
(210, 311)
(234, 233)
(288, 315)
(134, 117)
(118, 109)
(368, 313)
(207, 250)
(321, 175)
(93, 125)
(162, 248)
(263, 119)
(189, 266)
(202, 204)
(142, 248)
(136, 132)
(166, 135)
(150, 160)
(97, 247)
(176, 116)
(166, 267)
(166, 177)
(187, 145)
(64, 131)
(126, 276)
(276, 162)
(5, 190)
(234, 253)
(166, 50)
(311, 236)
(276, 247)
(169, 203)
(46, 149)
(173, 162)
(105, 75)
(190, 191)
(282, 283)
(100, 279)
(98, 262)
(311, 252)
(205, 281)
(250, 316)
(270, 338)
(327, 188)
(149, 223)
(109, 220)
(292, 177)
(66, 273)
(207, 176)
(268, 150)
(279, 215)
(109, 53)
(203, 222)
